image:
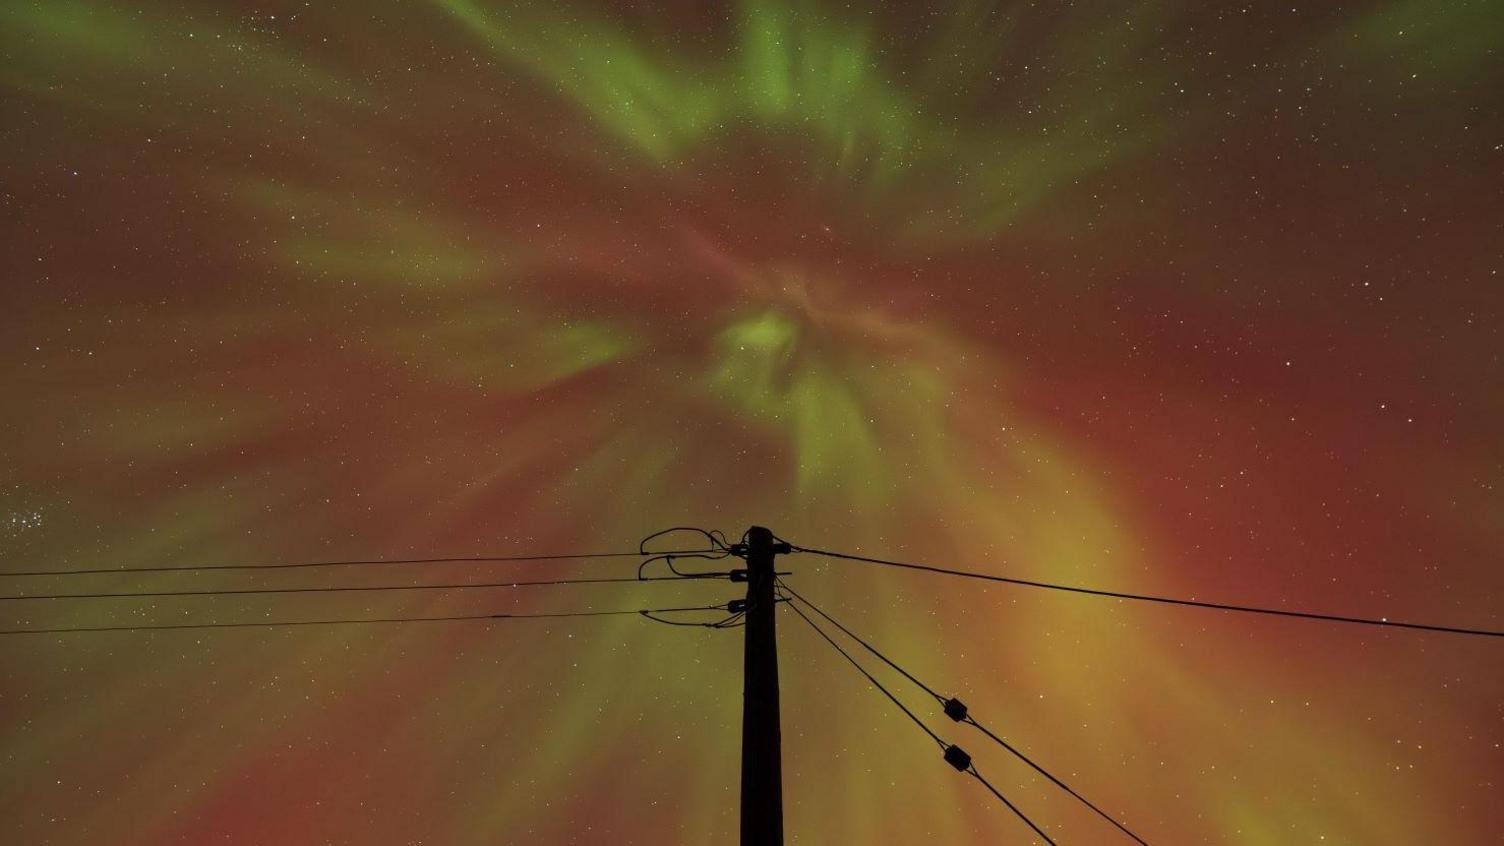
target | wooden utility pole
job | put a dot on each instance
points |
(762, 742)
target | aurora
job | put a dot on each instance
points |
(1151, 296)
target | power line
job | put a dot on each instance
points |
(1057, 782)
(966, 717)
(1216, 606)
(476, 559)
(362, 621)
(345, 589)
(953, 754)
(869, 647)
(972, 771)
(728, 622)
(875, 683)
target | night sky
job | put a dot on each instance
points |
(1195, 299)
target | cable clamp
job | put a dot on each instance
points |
(957, 757)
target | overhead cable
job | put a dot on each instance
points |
(278, 565)
(1216, 606)
(953, 708)
(953, 754)
(342, 589)
(253, 624)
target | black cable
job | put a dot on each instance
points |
(669, 557)
(353, 589)
(869, 647)
(968, 719)
(971, 770)
(719, 624)
(1217, 606)
(875, 683)
(714, 538)
(483, 559)
(1057, 782)
(290, 623)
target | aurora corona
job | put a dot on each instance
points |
(1155, 296)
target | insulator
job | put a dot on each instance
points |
(957, 757)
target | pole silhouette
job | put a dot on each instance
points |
(762, 752)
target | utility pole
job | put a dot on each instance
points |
(762, 742)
